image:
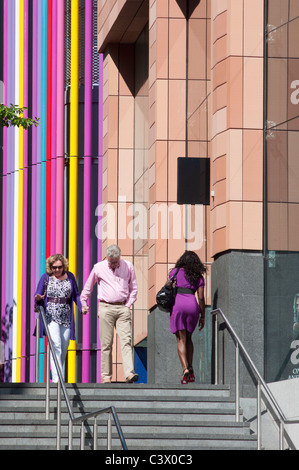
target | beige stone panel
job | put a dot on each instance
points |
(112, 125)
(175, 249)
(219, 145)
(112, 175)
(252, 165)
(177, 49)
(197, 94)
(220, 98)
(220, 26)
(141, 269)
(219, 74)
(161, 110)
(234, 162)
(252, 225)
(254, 28)
(294, 9)
(278, 226)
(218, 217)
(125, 174)
(218, 7)
(197, 66)
(219, 121)
(111, 65)
(161, 171)
(198, 149)
(277, 91)
(219, 241)
(141, 332)
(234, 225)
(157, 276)
(293, 167)
(176, 149)
(219, 50)
(235, 92)
(219, 170)
(161, 48)
(293, 227)
(109, 223)
(126, 122)
(253, 93)
(162, 8)
(176, 109)
(220, 192)
(235, 28)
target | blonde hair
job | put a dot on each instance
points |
(51, 260)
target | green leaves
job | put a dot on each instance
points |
(13, 116)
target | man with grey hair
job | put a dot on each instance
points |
(117, 291)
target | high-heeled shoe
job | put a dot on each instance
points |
(191, 375)
(185, 378)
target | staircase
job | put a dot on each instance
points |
(164, 417)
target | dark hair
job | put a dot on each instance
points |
(192, 265)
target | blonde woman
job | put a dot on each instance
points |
(56, 291)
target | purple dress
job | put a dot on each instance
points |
(186, 310)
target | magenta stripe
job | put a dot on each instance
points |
(53, 127)
(34, 198)
(60, 128)
(25, 199)
(87, 179)
(100, 200)
(4, 197)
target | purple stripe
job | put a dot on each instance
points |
(33, 185)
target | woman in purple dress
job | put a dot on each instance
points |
(187, 311)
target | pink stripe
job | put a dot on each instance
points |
(60, 128)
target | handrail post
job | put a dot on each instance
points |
(281, 435)
(109, 432)
(37, 335)
(48, 383)
(216, 365)
(70, 434)
(95, 434)
(82, 435)
(58, 430)
(237, 382)
(259, 416)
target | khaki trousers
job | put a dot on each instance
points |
(118, 317)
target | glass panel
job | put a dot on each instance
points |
(282, 263)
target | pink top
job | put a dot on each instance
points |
(113, 286)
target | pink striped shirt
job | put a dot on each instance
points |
(113, 286)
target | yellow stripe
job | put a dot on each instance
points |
(73, 166)
(20, 221)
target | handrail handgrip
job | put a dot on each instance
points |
(250, 362)
(82, 418)
(57, 364)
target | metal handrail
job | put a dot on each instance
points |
(80, 419)
(262, 387)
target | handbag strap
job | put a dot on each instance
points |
(173, 278)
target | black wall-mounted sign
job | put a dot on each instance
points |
(193, 181)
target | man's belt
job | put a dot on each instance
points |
(113, 303)
(60, 300)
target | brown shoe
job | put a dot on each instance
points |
(106, 381)
(132, 378)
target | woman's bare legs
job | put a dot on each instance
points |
(185, 348)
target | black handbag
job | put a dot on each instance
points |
(165, 298)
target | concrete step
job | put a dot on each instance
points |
(151, 417)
